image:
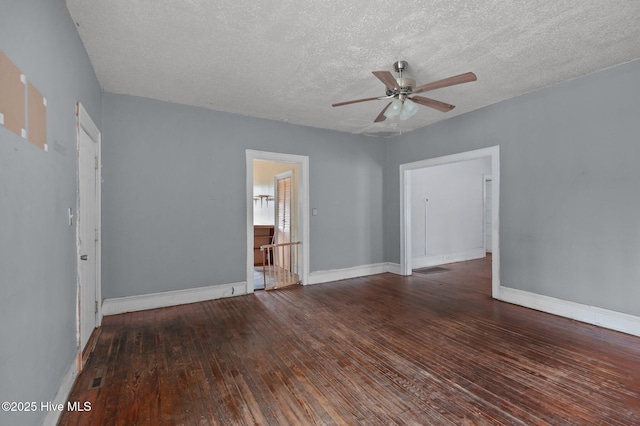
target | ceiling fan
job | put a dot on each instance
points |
(399, 89)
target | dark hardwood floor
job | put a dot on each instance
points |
(426, 349)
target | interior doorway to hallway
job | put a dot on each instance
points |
(275, 218)
(263, 215)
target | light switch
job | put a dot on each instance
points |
(314, 212)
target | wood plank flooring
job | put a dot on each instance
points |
(426, 349)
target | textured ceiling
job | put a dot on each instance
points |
(290, 60)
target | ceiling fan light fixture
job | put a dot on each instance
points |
(409, 108)
(394, 109)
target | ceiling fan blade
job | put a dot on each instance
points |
(446, 82)
(381, 116)
(432, 103)
(387, 78)
(354, 102)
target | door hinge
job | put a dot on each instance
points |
(96, 163)
(96, 307)
(96, 235)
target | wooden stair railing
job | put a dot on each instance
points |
(280, 265)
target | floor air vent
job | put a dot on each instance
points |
(97, 379)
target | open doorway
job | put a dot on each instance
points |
(447, 213)
(277, 209)
(416, 215)
(275, 218)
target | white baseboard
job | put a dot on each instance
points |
(443, 259)
(63, 394)
(319, 277)
(613, 320)
(120, 305)
(393, 268)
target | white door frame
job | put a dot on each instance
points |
(86, 124)
(485, 179)
(405, 207)
(303, 206)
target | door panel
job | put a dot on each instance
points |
(87, 236)
(283, 215)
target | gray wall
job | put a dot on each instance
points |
(569, 198)
(37, 246)
(174, 194)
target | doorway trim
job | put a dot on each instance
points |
(405, 207)
(485, 179)
(85, 123)
(303, 207)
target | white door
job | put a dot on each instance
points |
(282, 232)
(87, 234)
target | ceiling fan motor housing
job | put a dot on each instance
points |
(406, 83)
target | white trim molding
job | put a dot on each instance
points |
(120, 305)
(613, 320)
(443, 259)
(319, 277)
(394, 268)
(62, 395)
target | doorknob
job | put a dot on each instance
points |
(83, 257)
